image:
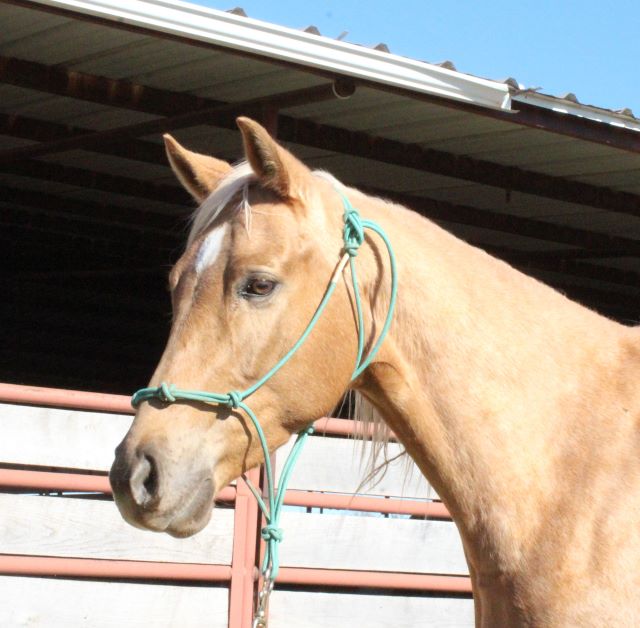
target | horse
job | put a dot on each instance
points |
(519, 406)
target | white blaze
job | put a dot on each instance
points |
(210, 249)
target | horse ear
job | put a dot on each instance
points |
(199, 174)
(275, 166)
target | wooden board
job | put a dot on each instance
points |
(371, 543)
(86, 440)
(292, 609)
(84, 528)
(60, 438)
(53, 603)
(334, 465)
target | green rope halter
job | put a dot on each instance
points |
(353, 236)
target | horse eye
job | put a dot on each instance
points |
(258, 287)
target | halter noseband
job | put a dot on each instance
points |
(353, 237)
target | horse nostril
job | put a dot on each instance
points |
(144, 480)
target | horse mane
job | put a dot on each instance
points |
(371, 430)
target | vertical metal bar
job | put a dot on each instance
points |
(243, 562)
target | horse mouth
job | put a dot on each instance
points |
(190, 515)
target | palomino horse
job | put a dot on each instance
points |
(520, 407)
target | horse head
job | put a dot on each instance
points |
(263, 247)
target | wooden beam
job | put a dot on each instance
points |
(206, 111)
(515, 225)
(510, 178)
(223, 114)
(37, 130)
(56, 79)
(101, 181)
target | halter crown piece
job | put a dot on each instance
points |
(353, 236)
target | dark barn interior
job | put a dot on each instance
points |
(92, 217)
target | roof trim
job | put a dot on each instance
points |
(568, 107)
(257, 37)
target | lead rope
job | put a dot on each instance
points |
(353, 237)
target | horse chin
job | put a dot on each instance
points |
(189, 516)
(184, 530)
(193, 514)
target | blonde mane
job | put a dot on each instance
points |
(236, 182)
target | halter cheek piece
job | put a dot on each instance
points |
(353, 236)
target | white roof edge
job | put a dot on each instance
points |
(241, 33)
(560, 105)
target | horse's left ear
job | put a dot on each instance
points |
(275, 166)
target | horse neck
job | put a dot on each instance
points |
(483, 373)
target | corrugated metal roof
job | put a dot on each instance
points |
(492, 146)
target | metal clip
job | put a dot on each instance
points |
(260, 620)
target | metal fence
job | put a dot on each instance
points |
(391, 556)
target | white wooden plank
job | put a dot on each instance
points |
(371, 543)
(334, 465)
(291, 609)
(53, 603)
(84, 528)
(86, 440)
(60, 438)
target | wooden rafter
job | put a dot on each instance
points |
(195, 110)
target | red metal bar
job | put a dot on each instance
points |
(102, 402)
(374, 580)
(48, 481)
(367, 504)
(245, 530)
(99, 568)
(79, 399)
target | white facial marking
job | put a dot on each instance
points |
(210, 249)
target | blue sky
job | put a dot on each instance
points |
(589, 48)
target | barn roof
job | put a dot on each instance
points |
(92, 216)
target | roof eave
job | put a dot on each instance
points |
(305, 49)
(568, 107)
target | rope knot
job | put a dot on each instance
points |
(165, 392)
(353, 233)
(272, 533)
(234, 398)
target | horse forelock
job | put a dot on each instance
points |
(236, 183)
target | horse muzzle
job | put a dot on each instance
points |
(155, 493)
